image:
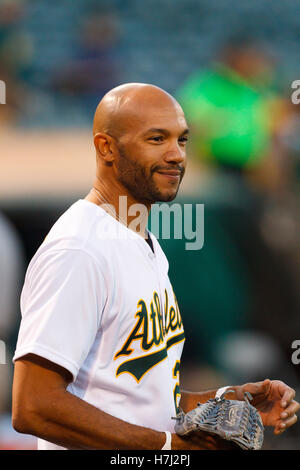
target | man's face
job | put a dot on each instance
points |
(152, 154)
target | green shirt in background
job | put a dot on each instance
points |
(229, 118)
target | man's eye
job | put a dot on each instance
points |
(183, 140)
(157, 138)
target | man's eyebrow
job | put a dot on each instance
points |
(157, 130)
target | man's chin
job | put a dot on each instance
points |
(167, 197)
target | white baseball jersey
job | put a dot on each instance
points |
(98, 302)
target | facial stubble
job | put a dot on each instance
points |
(140, 184)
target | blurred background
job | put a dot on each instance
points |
(231, 65)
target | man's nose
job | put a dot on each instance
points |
(175, 154)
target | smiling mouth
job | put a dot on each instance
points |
(171, 174)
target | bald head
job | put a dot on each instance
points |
(126, 105)
(140, 135)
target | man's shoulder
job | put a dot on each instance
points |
(78, 228)
(73, 235)
(77, 225)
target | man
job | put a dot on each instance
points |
(98, 353)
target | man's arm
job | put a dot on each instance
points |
(43, 407)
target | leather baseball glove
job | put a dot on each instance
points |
(233, 420)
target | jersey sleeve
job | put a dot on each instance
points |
(62, 301)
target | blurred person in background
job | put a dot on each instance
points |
(16, 51)
(236, 118)
(229, 107)
(12, 268)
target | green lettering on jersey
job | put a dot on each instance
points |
(149, 330)
(140, 365)
(140, 331)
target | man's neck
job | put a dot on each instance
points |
(122, 206)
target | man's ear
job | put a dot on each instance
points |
(105, 147)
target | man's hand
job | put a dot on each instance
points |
(275, 402)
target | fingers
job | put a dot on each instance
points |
(288, 417)
(288, 396)
(290, 410)
(264, 386)
(285, 424)
(284, 393)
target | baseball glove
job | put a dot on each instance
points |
(233, 420)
